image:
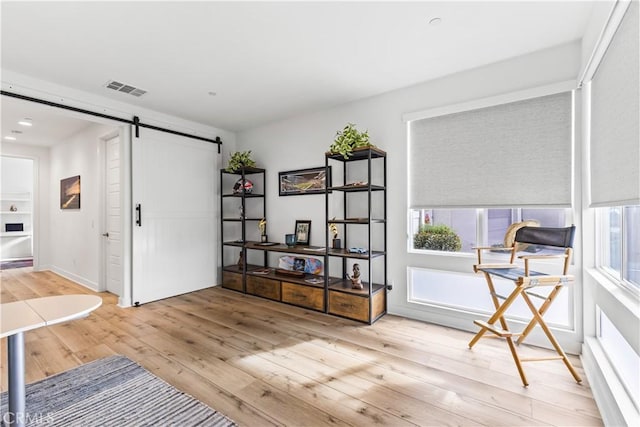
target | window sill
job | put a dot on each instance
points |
(619, 292)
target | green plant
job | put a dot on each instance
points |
(240, 159)
(348, 139)
(437, 238)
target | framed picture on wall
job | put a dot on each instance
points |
(303, 181)
(70, 193)
(303, 232)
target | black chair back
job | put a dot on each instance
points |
(547, 236)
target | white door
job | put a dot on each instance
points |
(113, 228)
(174, 224)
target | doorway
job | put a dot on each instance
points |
(112, 242)
(16, 212)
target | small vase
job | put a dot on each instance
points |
(290, 240)
(337, 244)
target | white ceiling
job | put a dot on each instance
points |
(269, 60)
(50, 125)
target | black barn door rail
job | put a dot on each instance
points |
(135, 122)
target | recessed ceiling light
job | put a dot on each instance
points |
(435, 21)
(10, 138)
(25, 122)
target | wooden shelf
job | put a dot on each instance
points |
(359, 154)
(246, 196)
(344, 253)
(357, 221)
(357, 188)
(298, 249)
(344, 285)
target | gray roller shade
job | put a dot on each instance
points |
(515, 154)
(615, 117)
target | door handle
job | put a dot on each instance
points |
(105, 234)
(138, 215)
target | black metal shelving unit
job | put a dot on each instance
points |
(374, 292)
(239, 216)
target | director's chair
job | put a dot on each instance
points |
(525, 280)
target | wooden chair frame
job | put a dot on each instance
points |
(525, 281)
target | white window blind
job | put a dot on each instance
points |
(615, 135)
(514, 154)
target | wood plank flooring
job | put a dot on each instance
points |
(263, 363)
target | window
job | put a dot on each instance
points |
(620, 237)
(468, 292)
(477, 227)
(625, 361)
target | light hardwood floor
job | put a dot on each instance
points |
(263, 363)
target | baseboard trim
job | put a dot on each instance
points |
(614, 403)
(75, 278)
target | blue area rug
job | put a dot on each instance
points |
(113, 391)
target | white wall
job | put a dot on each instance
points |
(40, 156)
(301, 142)
(75, 234)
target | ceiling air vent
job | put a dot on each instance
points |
(121, 87)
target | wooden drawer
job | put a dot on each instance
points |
(303, 296)
(263, 287)
(351, 306)
(232, 280)
(354, 306)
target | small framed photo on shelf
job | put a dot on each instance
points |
(303, 232)
(299, 264)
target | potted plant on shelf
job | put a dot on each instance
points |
(349, 139)
(239, 160)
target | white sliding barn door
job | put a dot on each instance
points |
(174, 250)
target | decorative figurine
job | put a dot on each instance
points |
(13, 208)
(241, 259)
(336, 244)
(262, 226)
(243, 187)
(356, 283)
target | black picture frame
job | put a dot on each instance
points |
(299, 264)
(304, 181)
(303, 232)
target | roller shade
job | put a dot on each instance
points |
(514, 154)
(615, 117)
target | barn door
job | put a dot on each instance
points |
(173, 190)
